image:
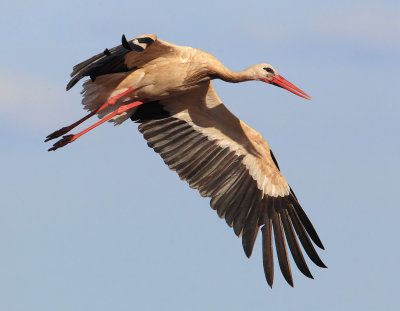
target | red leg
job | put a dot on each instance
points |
(70, 138)
(108, 103)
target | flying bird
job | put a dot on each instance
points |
(167, 89)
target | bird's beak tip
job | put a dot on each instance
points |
(283, 83)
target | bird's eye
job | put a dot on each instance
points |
(269, 70)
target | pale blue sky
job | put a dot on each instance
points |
(104, 225)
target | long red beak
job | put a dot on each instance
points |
(282, 82)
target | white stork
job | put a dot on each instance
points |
(168, 90)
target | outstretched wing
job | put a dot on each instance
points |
(128, 56)
(216, 153)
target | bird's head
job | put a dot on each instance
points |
(268, 74)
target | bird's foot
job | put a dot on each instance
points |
(112, 101)
(66, 129)
(63, 141)
(70, 138)
(59, 133)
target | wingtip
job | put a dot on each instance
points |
(71, 83)
(125, 43)
(247, 252)
(289, 280)
(314, 236)
(308, 274)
